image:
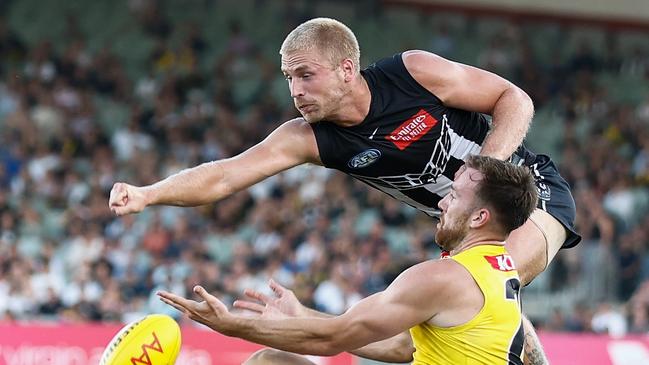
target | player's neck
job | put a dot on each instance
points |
(474, 239)
(354, 106)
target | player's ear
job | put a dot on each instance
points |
(480, 217)
(349, 70)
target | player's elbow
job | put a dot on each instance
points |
(523, 100)
(335, 343)
(218, 184)
(338, 338)
(404, 352)
(331, 349)
(353, 334)
(528, 102)
(400, 350)
(518, 103)
(324, 340)
(528, 106)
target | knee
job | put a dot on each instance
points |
(266, 357)
(258, 357)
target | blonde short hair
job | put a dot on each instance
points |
(326, 35)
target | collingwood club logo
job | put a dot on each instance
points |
(364, 158)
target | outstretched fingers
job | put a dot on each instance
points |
(276, 287)
(184, 306)
(247, 305)
(259, 296)
(178, 307)
(216, 305)
(175, 300)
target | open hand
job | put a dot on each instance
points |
(210, 312)
(283, 304)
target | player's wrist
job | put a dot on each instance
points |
(308, 312)
(234, 326)
(150, 195)
(304, 311)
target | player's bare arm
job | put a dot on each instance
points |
(284, 303)
(291, 144)
(418, 294)
(396, 349)
(534, 354)
(469, 88)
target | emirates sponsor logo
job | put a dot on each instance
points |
(412, 129)
(501, 262)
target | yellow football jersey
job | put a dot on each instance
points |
(495, 334)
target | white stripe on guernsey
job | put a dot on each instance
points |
(461, 147)
(441, 187)
(397, 194)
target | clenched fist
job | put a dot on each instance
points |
(126, 199)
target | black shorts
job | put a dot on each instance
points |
(554, 192)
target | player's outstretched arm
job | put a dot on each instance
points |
(383, 315)
(291, 144)
(284, 303)
(469, 88)
(396, 349)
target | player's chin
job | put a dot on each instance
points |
(311, 117)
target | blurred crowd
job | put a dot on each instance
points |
(74, 120)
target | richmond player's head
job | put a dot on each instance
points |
(488, 196)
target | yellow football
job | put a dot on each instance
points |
(153, 340)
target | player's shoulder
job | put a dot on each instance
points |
(416, 58)
(298, 122)
(439, 274)
(297, 137)
(297, 126)
(431, 71)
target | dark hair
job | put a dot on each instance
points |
(507, 189)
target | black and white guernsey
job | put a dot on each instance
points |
(410, 145)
